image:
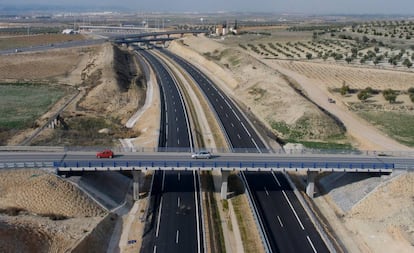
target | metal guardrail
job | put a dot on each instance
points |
(223, 165)
(33, 148)
(213, 150)
(21, 165)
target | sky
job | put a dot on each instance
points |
(277, 6)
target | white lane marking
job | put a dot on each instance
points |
(176, 236)
(228, 104)
(257, 147)
(245, 129)
(232, 124)
(159, 220)
(294, 212)
(267, 193)
(197, 216)
(178, 141)
(163, 181)
(238, 135)
(311, 244)
(175, 110)
(178, 129)
(178, 176)
(155, 249)
(237, 116)
(221, 107)
(227, 115)
(280, 221)
(277, 181)
(178, 202)
(176, 118)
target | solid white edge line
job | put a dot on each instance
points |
(280, 221)
(294, 212)
(163, 181)
(176, 236)
(277, 181)
(311, 244)
(197, 216)
(159, 220)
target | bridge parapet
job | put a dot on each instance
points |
(222, 166)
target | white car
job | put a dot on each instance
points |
(201, 154)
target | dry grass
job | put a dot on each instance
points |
(35, 40)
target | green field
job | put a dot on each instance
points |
(397, 125)
(21, 104)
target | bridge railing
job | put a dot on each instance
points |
(304, 151)
(246, 150)
(225, 165)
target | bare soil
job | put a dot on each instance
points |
(43, 213)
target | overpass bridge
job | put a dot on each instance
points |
(76, 163)
(154, 36)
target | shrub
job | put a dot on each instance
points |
(363, 95)
(390, 95)
(344, 89)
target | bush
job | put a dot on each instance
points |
(363, 95)
(390, 95)
(344, 89)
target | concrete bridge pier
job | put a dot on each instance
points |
(310, 187)
(224, 184)
(137, 174)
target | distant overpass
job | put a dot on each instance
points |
(154, 36)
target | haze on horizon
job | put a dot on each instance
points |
(274, 6)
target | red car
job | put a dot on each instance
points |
(107, 153)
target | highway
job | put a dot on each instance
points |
(242, 135)
(174, 223)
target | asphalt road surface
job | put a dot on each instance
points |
(242, 135)
(174, 224)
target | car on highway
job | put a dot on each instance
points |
(107, 153)
(201, 155)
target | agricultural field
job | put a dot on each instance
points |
(21, 104)
(361, 71)
(8, 42)
(342, 45)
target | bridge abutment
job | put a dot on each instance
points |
(137, 174)
(310, 187)
(224, 184)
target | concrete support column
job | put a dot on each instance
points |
(224, 178)
(310, 187)
(137, 176)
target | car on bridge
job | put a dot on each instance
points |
(107, 153)
(201, 155)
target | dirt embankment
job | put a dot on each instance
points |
(39, 211)
(111, 88)
(43, 213)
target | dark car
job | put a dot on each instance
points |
(107, 153)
